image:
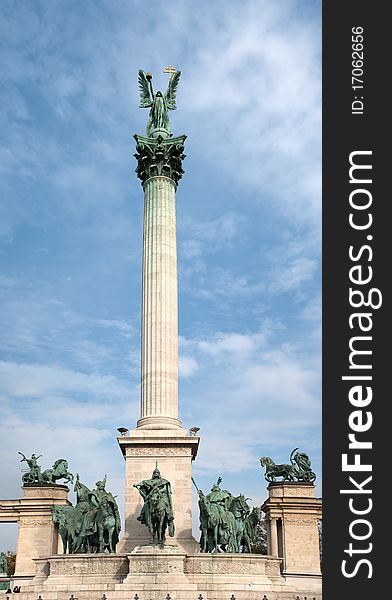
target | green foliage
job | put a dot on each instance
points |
(259, 544)
(11, 558)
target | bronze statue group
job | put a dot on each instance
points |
(227, 522)
(93, 524)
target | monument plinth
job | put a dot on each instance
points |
(292, 513)
(37, 534)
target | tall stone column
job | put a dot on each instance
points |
(159, 374)
(159, 168)
(159, 436)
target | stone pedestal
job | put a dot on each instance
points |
(292, 513)
(174, 452)
(151, 572)
(91, 572)
(157, 569)
(37, 534)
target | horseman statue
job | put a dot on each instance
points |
(223, 519)
(157, 511)
(101, 523)
(35, 475)
(94, 524)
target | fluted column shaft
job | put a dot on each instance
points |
(159, 373)
(273, 537)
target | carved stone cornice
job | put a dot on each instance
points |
(159, 157)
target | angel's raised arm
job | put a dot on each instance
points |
(146, 99)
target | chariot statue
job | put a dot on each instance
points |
(299, 469)
(35, 474)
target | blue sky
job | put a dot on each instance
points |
(249, 219)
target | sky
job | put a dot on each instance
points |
(248, 230)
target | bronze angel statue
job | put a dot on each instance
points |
(158, 122)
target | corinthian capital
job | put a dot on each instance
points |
(159, 156)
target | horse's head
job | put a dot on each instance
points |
(244, 505)
(265, 461)
(241, 500)
(255, 515)
(238, 506)
(58, 515)
(61, 465)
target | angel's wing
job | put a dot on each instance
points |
(170, 95)
(145, 94)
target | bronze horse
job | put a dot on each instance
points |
(159, 517)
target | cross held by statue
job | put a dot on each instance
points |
(170, 70)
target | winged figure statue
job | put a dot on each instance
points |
(160, 104)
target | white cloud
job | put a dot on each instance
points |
(292, 275)
(202, 238)
(29, 380)
(232, 343)
(187, 366)
(268, 392)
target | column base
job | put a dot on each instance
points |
(159, 423)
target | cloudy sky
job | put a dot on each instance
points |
(248, 211)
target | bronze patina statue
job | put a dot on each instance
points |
(93, 524)
(35, 475)
(160, 104)
(299, 468)
(303, 466)
(226, 521)
(102, 518)
(159, 153)
(157, 511)
(272, 470)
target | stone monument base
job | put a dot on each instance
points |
(174, 451)
(292, 513)
(37, 534)
(153, 573)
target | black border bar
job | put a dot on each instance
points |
(364, 130)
